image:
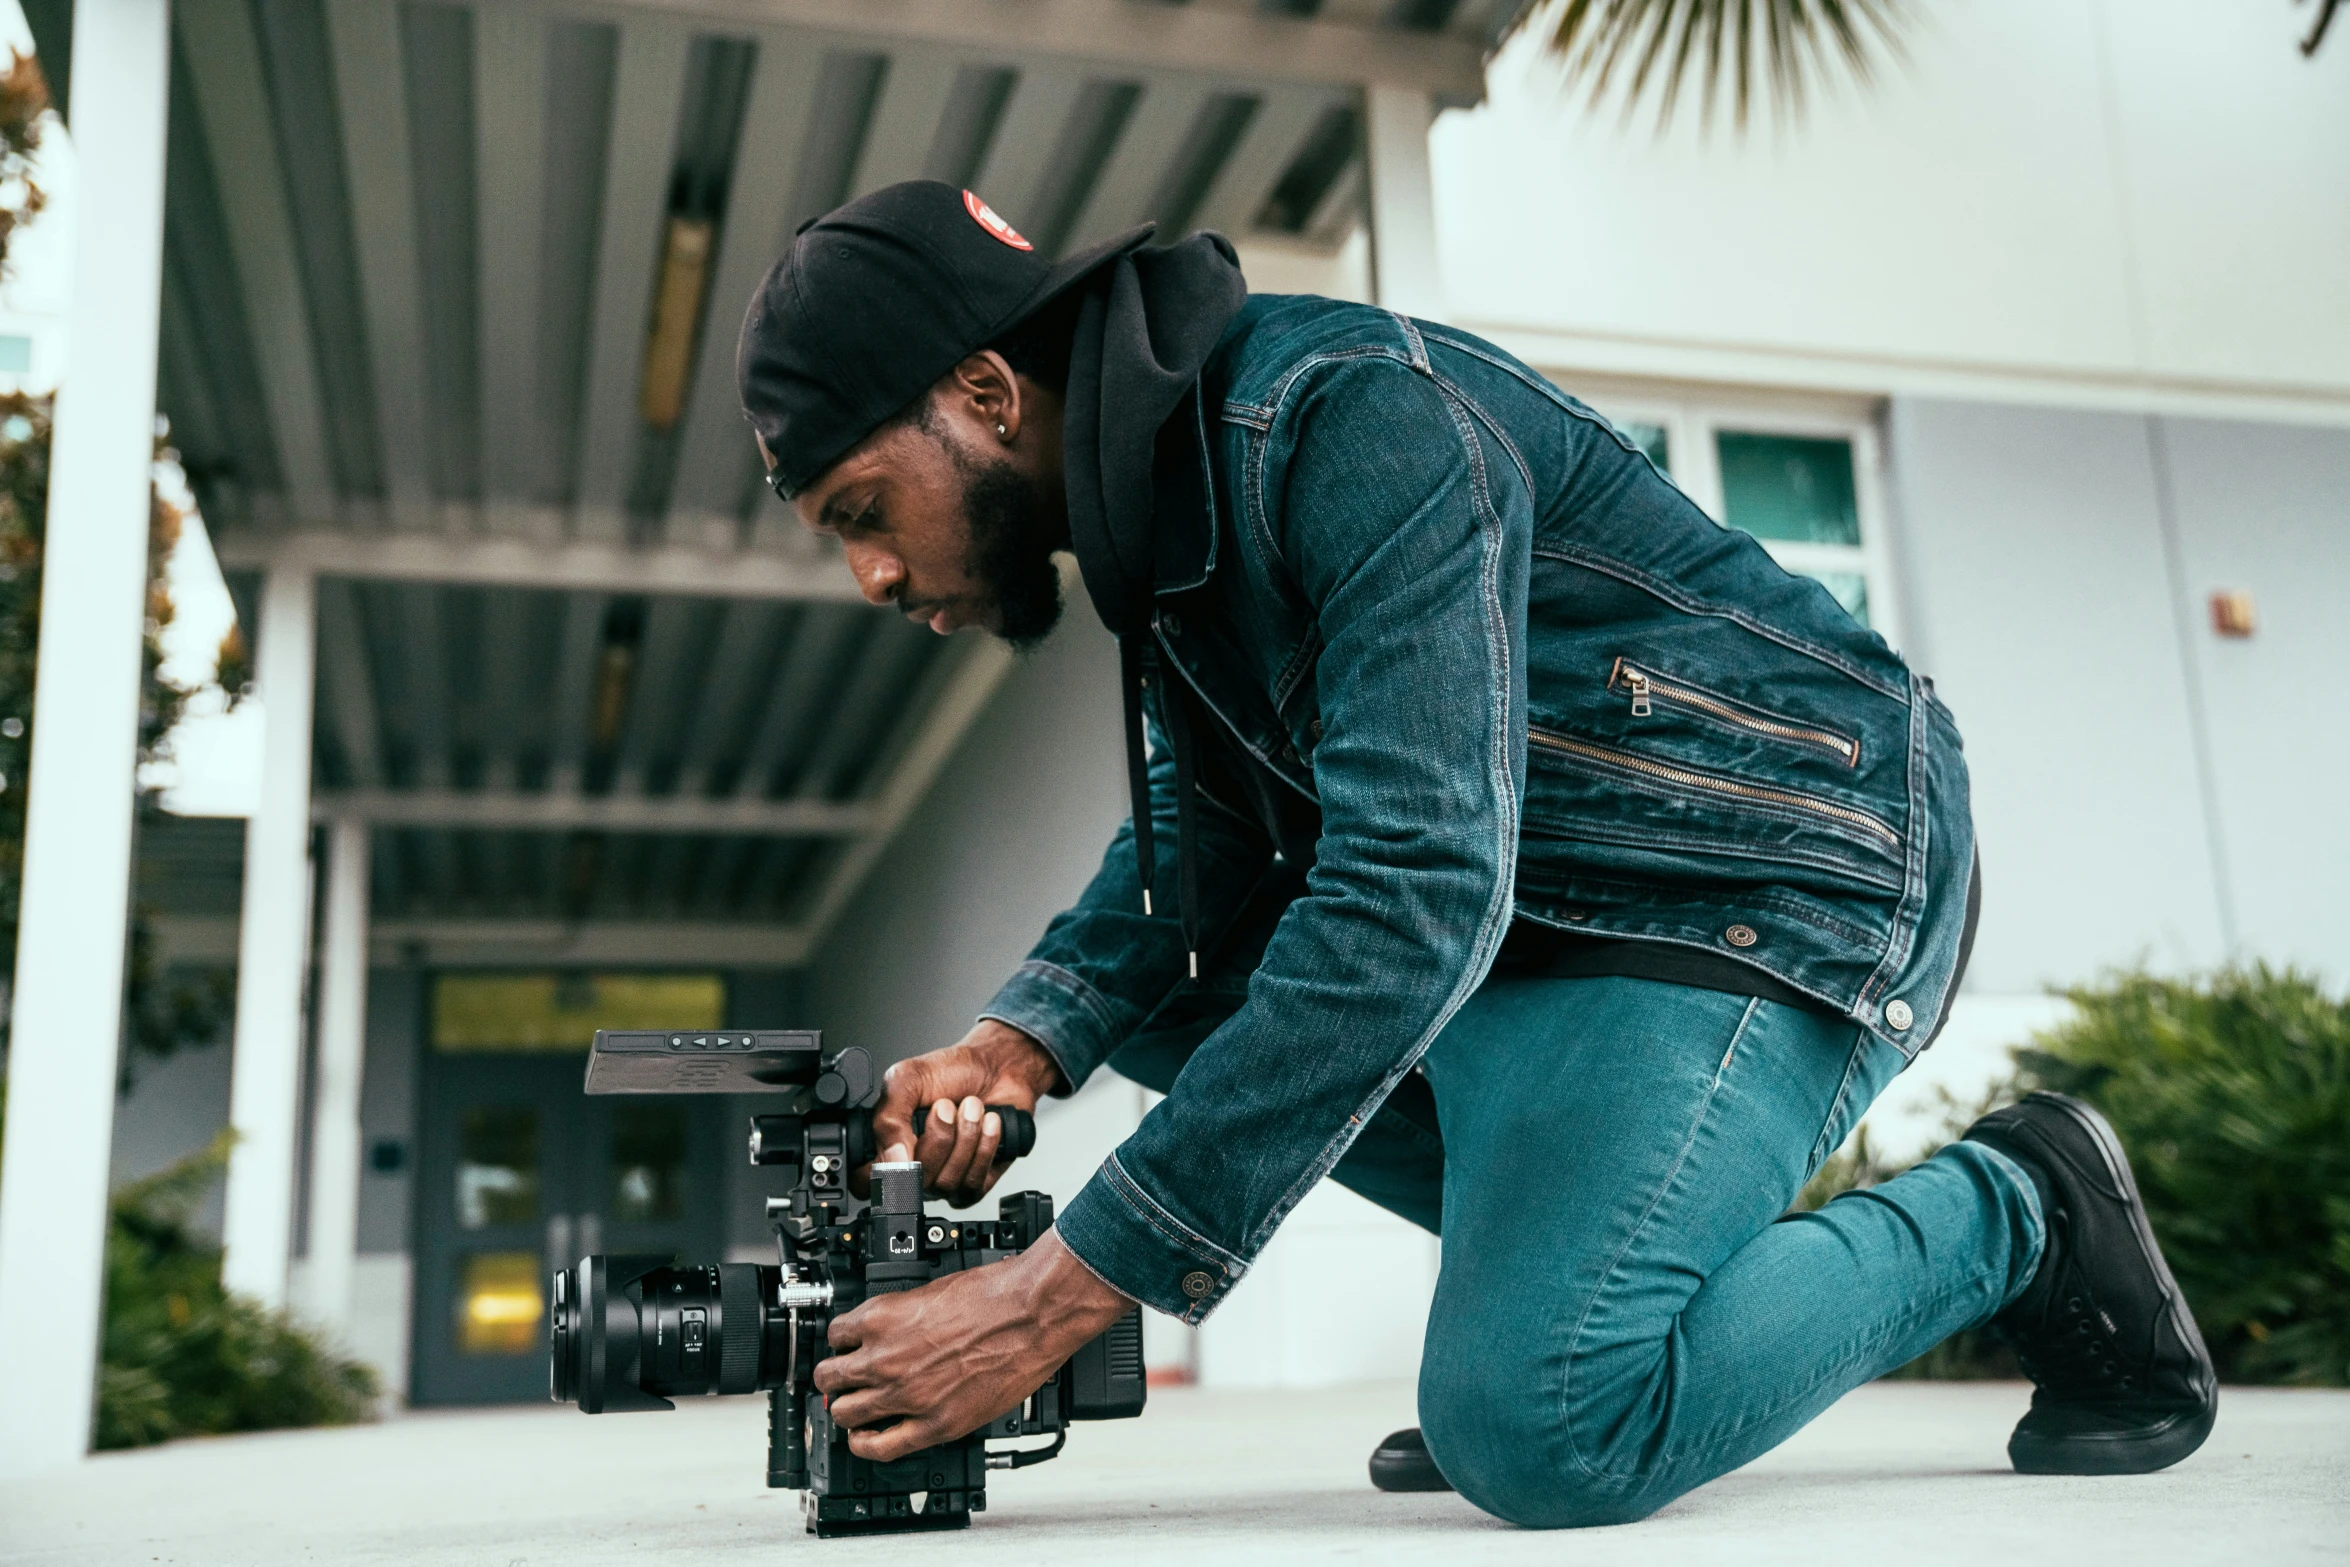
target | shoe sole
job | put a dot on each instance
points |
(2154, 1447)
(1413, 1472)
(2131, 1453)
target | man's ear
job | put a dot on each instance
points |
(989, 388)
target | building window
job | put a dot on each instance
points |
(1802, 478)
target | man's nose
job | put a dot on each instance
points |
(879, 573)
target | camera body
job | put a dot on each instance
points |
(632, 1333)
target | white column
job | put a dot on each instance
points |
(342, 1049)
(273, 940)
(1404, 272)
(65, 1022)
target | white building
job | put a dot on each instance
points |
(2030, 352)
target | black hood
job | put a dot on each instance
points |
(1148, 321)
(1146, 325)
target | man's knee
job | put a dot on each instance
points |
(1500, 1432)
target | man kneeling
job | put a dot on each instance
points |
(1513, 844)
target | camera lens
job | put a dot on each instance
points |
(634, 1332)
(563, 1336)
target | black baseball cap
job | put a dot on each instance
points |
(873, 303)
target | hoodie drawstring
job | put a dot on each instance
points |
(1138, 661)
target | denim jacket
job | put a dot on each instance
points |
(1519, 675)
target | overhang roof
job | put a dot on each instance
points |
(419, 257)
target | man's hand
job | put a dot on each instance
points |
(994, 1064)
(925, 1366)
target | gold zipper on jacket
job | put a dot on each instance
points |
(1643, 685)
(1612, 757)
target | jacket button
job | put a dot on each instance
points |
(1315, 729)
(1740, 936)
(1898, 1015)
(1196, 1284)
(1171, 623)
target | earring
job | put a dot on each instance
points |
(1002, 434)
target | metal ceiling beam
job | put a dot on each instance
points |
(1275, 135)
(664, 671)
(510, 116)
(1137, 172)
(454, 943)
(1012, 178)
(350, 706)
(714, 451)
(514, 811)
(370, 82)
(443, 942)
(505, 724)
(1120, 35)
(650, 81)
(744, 660)
(578, 565)
(914, 93)
(578, 662)
(232, 100)
(805, 684)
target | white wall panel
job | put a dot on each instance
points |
(2088, 196)
(2266, 509)
(2233, 155)
(2039, 603)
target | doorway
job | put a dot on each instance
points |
(519, 1172)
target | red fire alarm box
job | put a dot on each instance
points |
(2232, 614)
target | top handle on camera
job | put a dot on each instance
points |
(817, 1085)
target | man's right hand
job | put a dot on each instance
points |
(994, 1064)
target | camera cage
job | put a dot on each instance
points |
(625, 1331)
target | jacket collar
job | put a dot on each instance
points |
(1183, 501)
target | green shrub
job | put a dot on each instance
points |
(2232, 1095)
(181, 1356)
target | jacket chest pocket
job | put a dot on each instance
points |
(1646, 690)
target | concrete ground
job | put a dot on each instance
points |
(1906, 1473)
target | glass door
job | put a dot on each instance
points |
(519, 1172)
(499, 1175)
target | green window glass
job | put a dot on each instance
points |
(1789, 487)
(648, 1163)
(1652, 441)
(497, 1166)
(1850, 588)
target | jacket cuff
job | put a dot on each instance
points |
(1139, 1249)
(1071, 1019)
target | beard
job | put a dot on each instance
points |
(1011, 555)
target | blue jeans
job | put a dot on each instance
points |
(1626, 1308)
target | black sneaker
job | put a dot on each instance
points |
(1401, 1463)
(2123, 1382)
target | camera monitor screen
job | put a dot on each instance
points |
(703, 1061)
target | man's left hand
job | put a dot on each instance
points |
(943, 1360)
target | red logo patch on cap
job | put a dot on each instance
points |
(984, 215)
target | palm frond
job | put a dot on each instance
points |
(1738, 48)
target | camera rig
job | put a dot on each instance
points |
(635, 1332)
